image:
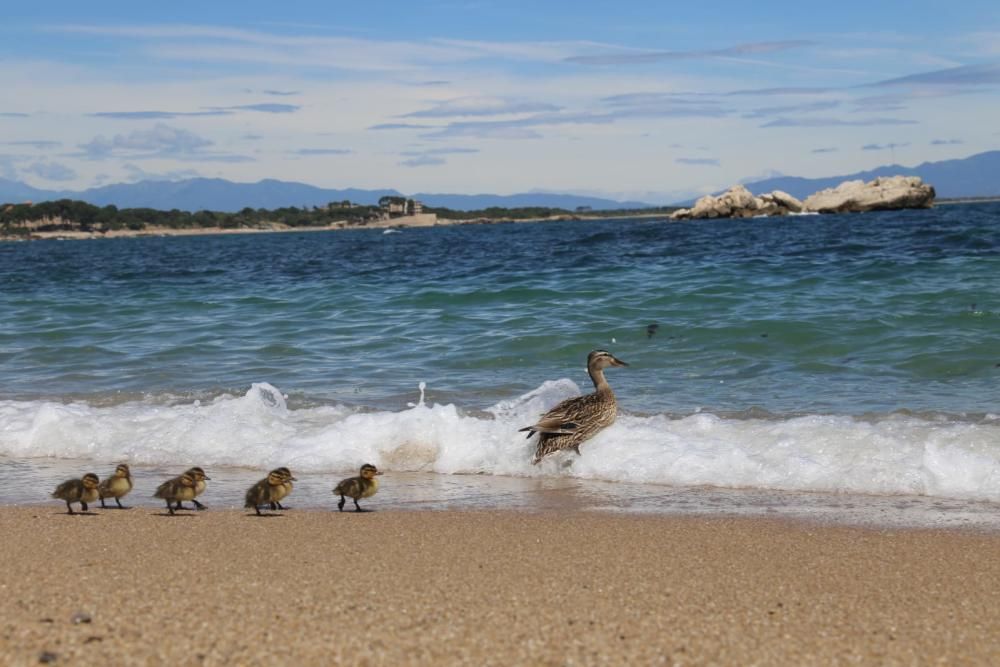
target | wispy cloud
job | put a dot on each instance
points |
(281, 93)
(824, 150)
(441, 151)
(160, 141)
(50, 171)
(786, 90)
(423, 161)
(645, 57)
(400, 126)
(481, 106)
(698, 161)
(157, 115)
(262, 108)
(767, 112)
(946, 142)
(137, 173)
(884, 147)
(12, 114)
(965, 75)
(323, 151)
(41, 145)
(836, 122)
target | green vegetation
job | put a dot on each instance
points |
(66, 215)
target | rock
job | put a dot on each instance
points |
(884, 193)
(738, 202)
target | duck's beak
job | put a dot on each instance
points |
(379, 473)
(617, 362)
(293, 479)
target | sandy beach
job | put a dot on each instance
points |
(553, 588)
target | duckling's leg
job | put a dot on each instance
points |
(197, 505)
(69, 508)
(120, 506)
(357, 506)
(83, 506)
(103, 506)
(257, 509)
(340, 505)
(170, 508)
(280, 506)
(274, 506)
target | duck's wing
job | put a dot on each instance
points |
(349, 487)
(166, 489)
(70, 488)
(562, 419)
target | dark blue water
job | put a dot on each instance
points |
(844, 314)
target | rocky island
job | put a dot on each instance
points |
(880, 194)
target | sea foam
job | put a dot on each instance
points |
(886, 454)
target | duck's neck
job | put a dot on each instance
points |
(597, 377)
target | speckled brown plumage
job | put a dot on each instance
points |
(575, 420)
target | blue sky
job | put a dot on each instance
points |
(654, 101)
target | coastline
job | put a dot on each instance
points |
(395, 587)
(394, 223)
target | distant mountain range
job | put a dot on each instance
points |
(975, 176)
(216, 194)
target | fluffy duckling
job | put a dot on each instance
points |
(117, 486)
(199, 486)
(284, 490)
(268, 490)
(83, 491)
(575, 420)
(363, 486)
(176, 490)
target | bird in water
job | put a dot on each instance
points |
(570, 423)
(83, 491)
(652, 329)
(117, 486)
(363, 486)
(267, 490)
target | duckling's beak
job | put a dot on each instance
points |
(293, 479)
(207, 477)
(379, 473)
(615, 361)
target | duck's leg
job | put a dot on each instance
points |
(83, 506)
(357, 506)
(170, 508)
(120, 506)
(274, 506)
(257, 509)
(280, 506)
(197, 505)
(103, 506)
(340, 505)
(69, 508)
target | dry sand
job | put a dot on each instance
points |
(502, 588)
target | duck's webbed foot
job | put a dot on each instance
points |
(198, 506)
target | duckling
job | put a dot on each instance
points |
(571, 422)
(117, 486)
(267, 490)
(284, 489)
(363, 486)
(200, 485)
(177, 489)
(83, 491)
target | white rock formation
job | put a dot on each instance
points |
(738, 202)
(884, 193)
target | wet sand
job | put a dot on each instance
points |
(486, 587)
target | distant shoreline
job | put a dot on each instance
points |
(397, 224)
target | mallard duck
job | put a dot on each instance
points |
(177, 489)
(117, 486)
(571, 422)
(284, 490)
(268, 490)
(83, 491)
(363, 486)
(200, 485)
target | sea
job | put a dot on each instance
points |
(817, 365)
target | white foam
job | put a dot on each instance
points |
(892, 454)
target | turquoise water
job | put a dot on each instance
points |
(848, 352)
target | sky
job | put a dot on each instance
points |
(651, 101)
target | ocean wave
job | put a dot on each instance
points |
(896, 453)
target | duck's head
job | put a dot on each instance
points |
(286, 474)
(368, 471)
(187, 479)
(598, 360)
(90, 481)
(123, 471)
(197, 473)
(276, 477)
